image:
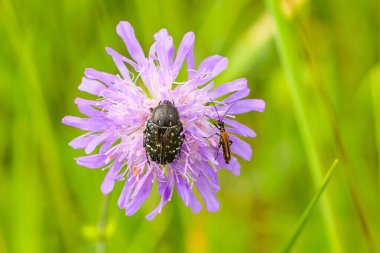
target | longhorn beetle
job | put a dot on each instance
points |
(224, 140)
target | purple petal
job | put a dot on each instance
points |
(165, 197)
(187, 195)
(91, 86)
(247, 105)
(127, 34)
(210, 68)
(239, 128)
(96, 141)
(208, 153)
(87, 109)
(204, 189)
(121, 59)
(92, 161)
(81, 123)
(226, 88)
(190, 62)
(164, 49)
(119, 62)
(82, 141)
(108, 143)
(237, 96)
(185, 107)
(241, 148)
(110, 178)
(104, 77)
(127, 191)
(95, 103)
(140, 193)
(208, 87)
(233, 166)
(211, 175)
(184, 48)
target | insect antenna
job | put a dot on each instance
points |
(216, 109)
(212, 121)
(228, 110)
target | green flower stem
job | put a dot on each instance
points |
(102, 225)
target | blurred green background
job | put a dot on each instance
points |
(315, 63)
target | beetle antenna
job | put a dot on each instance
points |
(215, 108)
(228, 110)
(212, 121)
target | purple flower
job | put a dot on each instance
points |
(117, 118)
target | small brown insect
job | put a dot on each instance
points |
(224, 140)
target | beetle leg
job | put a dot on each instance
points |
(147, 157)
(217, 153)
(212, 135)
(144, 145)
(231, 142)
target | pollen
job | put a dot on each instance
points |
(135, 171)
(109, 158)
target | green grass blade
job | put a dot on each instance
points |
(308, 211)
(375, 90)
(288, 52)
(337, 130)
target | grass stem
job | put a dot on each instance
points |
(308, 211)
(287, 48)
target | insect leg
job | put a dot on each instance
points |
(217, 153)
(147, 157)
(146, 151)
(212, 135)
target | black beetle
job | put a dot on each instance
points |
(163, 137)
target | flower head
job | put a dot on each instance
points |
(116, 121)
